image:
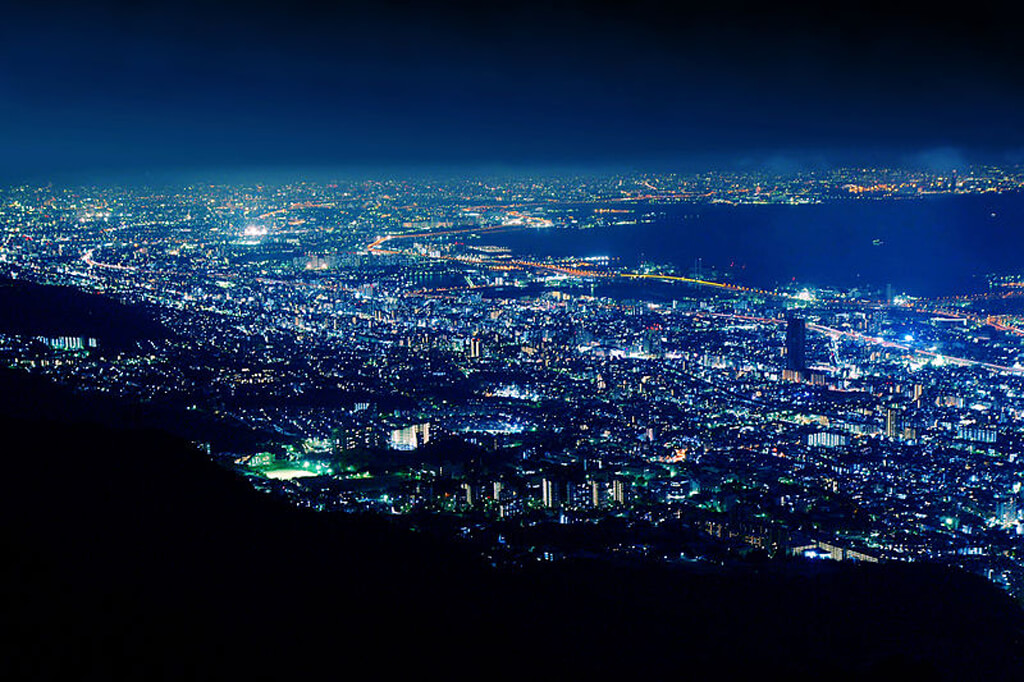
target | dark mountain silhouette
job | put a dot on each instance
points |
(45, 310)
(131, 555)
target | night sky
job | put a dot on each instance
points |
(91, 87)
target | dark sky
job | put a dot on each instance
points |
(114, 86)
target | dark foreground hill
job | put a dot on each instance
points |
(130, 555)
(46, 310)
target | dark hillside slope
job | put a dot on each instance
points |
(130, 555)
(44, 310)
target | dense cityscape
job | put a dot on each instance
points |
(382, 354)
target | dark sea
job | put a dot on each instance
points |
(930, 246)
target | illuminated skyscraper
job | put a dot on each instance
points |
(549, 493)
(796, 337)
(893, 423)
(619, 491)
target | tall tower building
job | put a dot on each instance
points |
(619, 491)
(796, 340)
(549, 492)
(893, 423)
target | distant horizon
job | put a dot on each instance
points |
(781, 164)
